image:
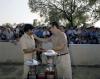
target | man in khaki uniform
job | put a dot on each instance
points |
(59, 41)
(27, 44)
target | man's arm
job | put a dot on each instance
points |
(30, 50)
(58, 48)
(33, 50)
(24, 47)
(42, 39)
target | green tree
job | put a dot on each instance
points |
(8, 25)
(75, 12)
(35, 22)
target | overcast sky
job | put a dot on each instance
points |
(17, 11)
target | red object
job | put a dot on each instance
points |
(41, 76)
(49, 74)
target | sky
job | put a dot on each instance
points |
(17, 11)
(97, 24)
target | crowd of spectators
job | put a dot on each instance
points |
(8, 33)
(90, 35)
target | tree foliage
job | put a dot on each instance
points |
(7, 25)
(75, 12)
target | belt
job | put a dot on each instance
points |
(62, 54)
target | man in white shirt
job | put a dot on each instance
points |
(27, 43)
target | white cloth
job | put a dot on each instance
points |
(26, 43)
(31, 62)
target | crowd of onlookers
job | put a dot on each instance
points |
(82, 35)
(9, 33)
(90, 35)
(6, 33)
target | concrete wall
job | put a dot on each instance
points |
(85, 54)
(81, 54)
(11, 61)
(10, 52)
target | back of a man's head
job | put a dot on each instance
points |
(54, 24)
(28, 27)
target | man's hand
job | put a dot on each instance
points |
(40, 49)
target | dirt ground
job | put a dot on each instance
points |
(15, 72)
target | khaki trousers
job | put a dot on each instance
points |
(63, 66)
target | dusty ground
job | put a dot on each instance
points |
(11, 71)
(86, 73)
(15, 72)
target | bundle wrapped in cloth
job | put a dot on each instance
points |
(50, 53)
(31, 62)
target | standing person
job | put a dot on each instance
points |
(27, 43)
(59, 41)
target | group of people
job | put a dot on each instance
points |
(83, 35)
(59, 44)
(30, 38)
(8, 33)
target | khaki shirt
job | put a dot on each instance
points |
(27, 43)
(58, 39)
